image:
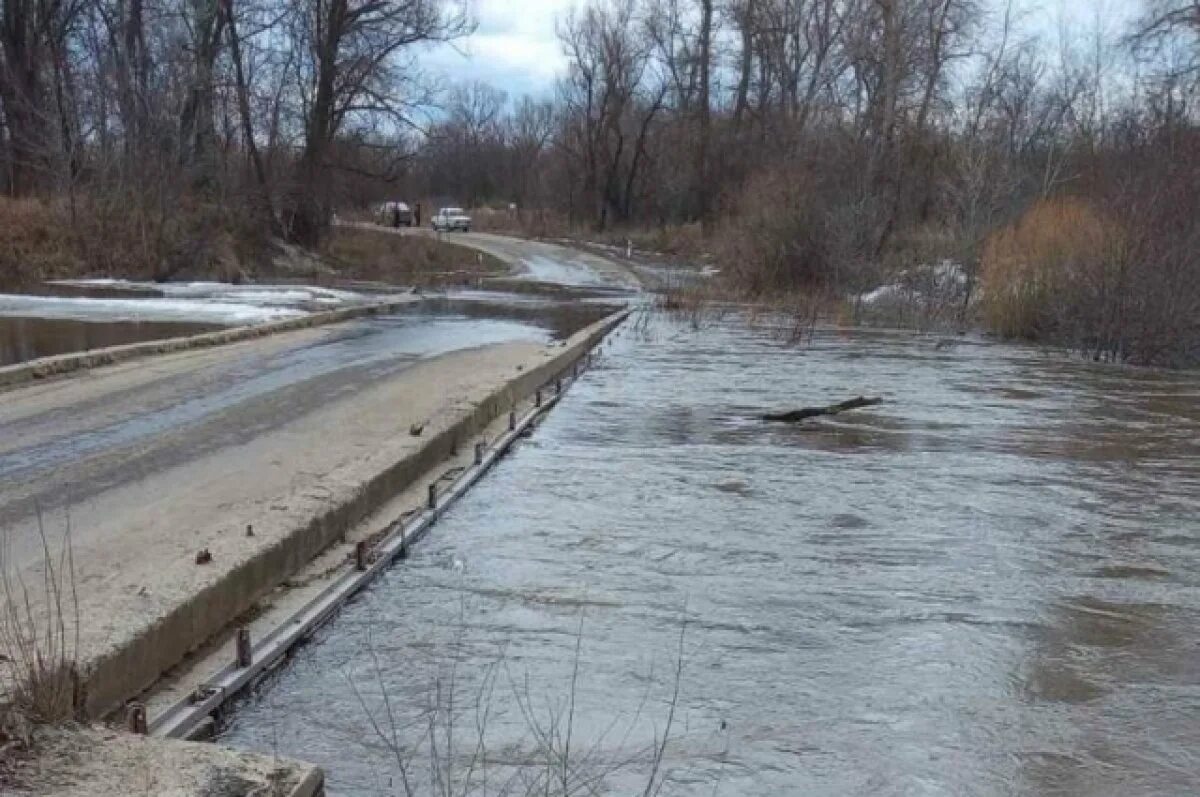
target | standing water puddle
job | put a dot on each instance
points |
(23, 339)
(990, 584)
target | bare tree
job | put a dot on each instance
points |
(352, 68)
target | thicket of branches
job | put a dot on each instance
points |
(811, 145)
(833, 144)
(156, 135)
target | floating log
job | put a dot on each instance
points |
(794, 416)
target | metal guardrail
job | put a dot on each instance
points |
(185, 717)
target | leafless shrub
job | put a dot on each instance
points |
(446, 750)
(695, 304)
(39, 635)
(1117, 278)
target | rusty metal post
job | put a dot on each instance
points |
(135, 718)
(360, 555)
(244, 655)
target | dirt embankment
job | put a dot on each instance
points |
(96, 762)
(406, 257)
(42, 241)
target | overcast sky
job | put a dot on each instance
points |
(515, 48)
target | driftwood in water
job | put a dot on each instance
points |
(813, 412)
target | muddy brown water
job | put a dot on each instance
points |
(23, 339)
(988, 585)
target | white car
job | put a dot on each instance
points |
(450, 219)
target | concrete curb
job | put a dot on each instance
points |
(63, 364)
(311, 785)
(135, 665)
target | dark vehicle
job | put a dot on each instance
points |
(394, 214)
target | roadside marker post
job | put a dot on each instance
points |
(243, 656)
(135, 718)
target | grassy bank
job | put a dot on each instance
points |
(405, 259)
(44, 240)
(1114, 278)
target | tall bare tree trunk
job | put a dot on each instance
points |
(22, 90)
(703, 188)
(309, 212)
(247, 121)
(746, 63)
(197, 130)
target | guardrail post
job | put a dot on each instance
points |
(403, 544)
(360, 555)
(558, 386)
(512, 420)
(537, 398)
(432, 502)
(244, 655)
(135, 718)
(479, 453)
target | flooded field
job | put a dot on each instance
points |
(23, 339)
(987, 585)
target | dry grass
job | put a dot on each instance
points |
(123, 236)
(39, 637)
(412, 259)
(35, 243)
(1030, 268)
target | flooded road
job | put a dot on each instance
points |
(987, 585)
(55, 455)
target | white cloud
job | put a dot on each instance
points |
(515, 47)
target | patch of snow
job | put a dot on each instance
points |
(944, 280)
(194, 310)
(266, 295)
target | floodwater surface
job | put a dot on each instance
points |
(987, 585)
(23, 339)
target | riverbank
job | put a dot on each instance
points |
(89, 762)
